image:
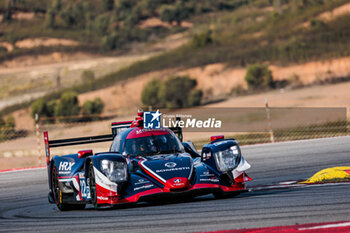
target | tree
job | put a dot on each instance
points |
(175, 13)
(50, 19)
(167, 14)
(259, 77)
(123, 9)
(150, 94)
(7, 16)
(68, 104)
(107, 5)
(67, 16)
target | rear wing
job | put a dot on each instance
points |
(72, 141)
(116, 127)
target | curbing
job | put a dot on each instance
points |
(334, 174)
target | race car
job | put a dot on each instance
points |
(143, 165)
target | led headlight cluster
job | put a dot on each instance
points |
(228, 159)
(114, 170)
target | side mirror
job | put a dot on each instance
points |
(191, 149)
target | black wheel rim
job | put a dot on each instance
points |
(55, 187)
(92, 185)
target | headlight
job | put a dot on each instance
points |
(228, 159)
(115, 171)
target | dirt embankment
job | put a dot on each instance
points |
(217, 80)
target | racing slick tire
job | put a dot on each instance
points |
(92, 185)
(221, 195)
(57, 193)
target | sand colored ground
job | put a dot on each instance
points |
(37, 42)
(24, 63)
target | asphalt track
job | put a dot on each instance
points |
(24, 205)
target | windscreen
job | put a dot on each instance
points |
(151, 145)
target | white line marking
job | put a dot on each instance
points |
(345, 224)
(21, 169)
(153, 173)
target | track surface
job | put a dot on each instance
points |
(24, 205)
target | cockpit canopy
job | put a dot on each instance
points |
(147, 142)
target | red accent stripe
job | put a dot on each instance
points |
(235, 187)
(22, 169)
(134, 198)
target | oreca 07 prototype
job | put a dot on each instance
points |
(143, 165)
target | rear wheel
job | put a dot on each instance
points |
(57, 193)
(92, 185)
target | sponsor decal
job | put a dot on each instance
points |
(170, 164)
(173, 169)
(141, 181)
(207, 174)
(209, 180)
(143, 187)
(206, 155)
(65, 166)
(176, 181)
(151, 120)
(102, 198)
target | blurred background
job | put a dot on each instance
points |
(79, 65)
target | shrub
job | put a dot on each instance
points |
(176, 91)
(110, 42)
(91, 107)
(68, 104)
(101, 24)
(317, 24)
(39, 107)
(7, 128)
(259, 77)
(150, 94)
(202, 39)
(195, 98)
(87, 76)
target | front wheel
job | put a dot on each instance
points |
(58, 195)
(92, 185)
